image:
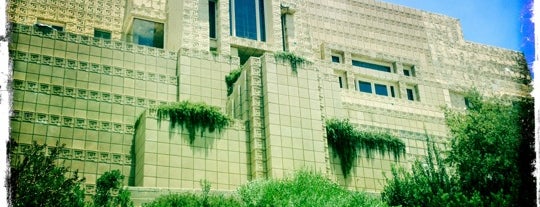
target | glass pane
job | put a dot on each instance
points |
(335, 59)
(261, 20)
(245, 19)
(381, 90)
(364, 87)
(371, 66)
(212, 18)
(102, 34)
(148, 33)
(406, 73)
(410, 94)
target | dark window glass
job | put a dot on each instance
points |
(212, 18)
(245, 13)
(261, 20)
(410, 94)
(58, 28)
(364, 87)
(340, 82)
(392, 91)
(406, 72)
(335, 59)
(102, 34)
(147, 33)
(371, 66)
(381, 90)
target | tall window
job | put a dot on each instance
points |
(247, 19)
(147, 33)
(212, 18)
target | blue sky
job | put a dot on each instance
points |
(501, 23)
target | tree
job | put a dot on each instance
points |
(484, 148)
(488, 162)
(105, 185)
(38, 178)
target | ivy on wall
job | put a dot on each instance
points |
(293, 59)
(193, 117)
(347, 142)
(231, 79)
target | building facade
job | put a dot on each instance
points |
(91, 74)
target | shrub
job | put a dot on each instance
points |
(191, 199)
(38, 178)
(303, 189)
(231, 79)
(107, 183)
(293, 59)
(193, 117)
(347, 142)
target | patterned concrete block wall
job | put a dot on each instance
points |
(294, 129)
(78, 16)
(87, 93)
(168, 160)
(202, 76)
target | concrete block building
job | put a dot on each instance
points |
(85, 72)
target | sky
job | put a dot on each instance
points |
(501, 23)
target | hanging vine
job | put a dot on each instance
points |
(193, 117)
(231, 79)
(347, 142)
(293, 59)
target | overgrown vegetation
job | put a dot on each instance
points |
(191, 199)
(293, 59)
(487, 143)
(108, 183)
(231, 79)
(347, 142)
(303, 189)
(37, 178)
(193, 117)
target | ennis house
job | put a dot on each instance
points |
(86, 71)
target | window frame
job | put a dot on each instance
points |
(260, 20)
(132, 32)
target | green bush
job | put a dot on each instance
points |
(107, 183)
(191, 199)
(347, 142)
(483, 160)
(38, 178)
(193, 117)
(303, 189)
(293, 59)
(231, 79)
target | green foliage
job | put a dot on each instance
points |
(429, 184)
(193, 117)
(304, 189)
(108, 182)
(483, 158)
(484, 148)
(190, 199)
(231, 79)
(293, 59)
(37, 178)
(348, 141)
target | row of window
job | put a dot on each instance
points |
(383, 90)
(47, 27)
(407, 70)
(247, 20)
(378, 88)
